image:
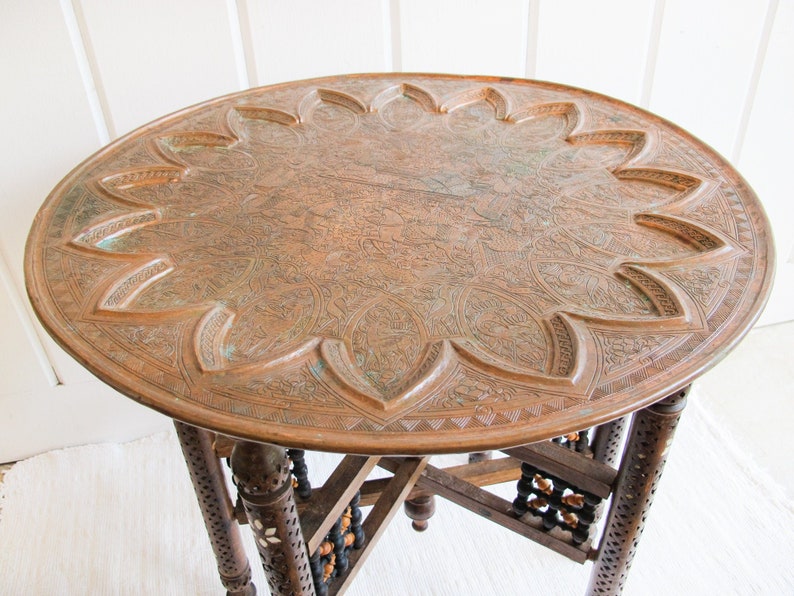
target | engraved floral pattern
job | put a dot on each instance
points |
(385, 258)
(388, 253)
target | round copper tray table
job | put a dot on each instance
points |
(394, 266)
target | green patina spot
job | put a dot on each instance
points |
(108, 243)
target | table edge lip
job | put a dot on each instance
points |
(246, 428)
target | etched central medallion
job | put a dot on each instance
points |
(400, 239)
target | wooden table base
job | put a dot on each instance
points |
(648, 443)
(574, 478)
(261, 473)
(216, 509)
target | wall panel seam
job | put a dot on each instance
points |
(238, 45)
(394, 39)
(652, 53)
(243, 20)
(755, 78)
(26, 321)
(89, 71)
(524, 35)
(531, 46)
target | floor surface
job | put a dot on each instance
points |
(752, 393)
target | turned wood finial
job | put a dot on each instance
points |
(537, 503)
(420, 510)
(259, 469)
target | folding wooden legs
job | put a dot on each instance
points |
(644, 457)
(394, 491)
(262, 476)
(217, 509)
(577, 481)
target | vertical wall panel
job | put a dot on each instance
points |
(48, 126)
(45, 118)
(19, 366)
(706, 55)
(148, 58)
(464, 37)
(311, 38)
(22, 345)
(766, 157)
(155, 57)
(596, 45)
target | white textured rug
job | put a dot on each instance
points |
(122, 519)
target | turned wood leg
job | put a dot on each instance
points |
(216, 508)
(650, 436)
(261, 474)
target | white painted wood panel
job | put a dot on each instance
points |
(312, 38)
(74, 414)
(705, 62)
(25, 356)
(77, 72)
(464, 37)
(45, 117)
(601, 46)
(154, 57)
(20, 369)
(766, 157)
(48, 119)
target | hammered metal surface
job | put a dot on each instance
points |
(401, 264)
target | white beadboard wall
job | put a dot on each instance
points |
(78, 73)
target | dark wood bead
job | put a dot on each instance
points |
(301, 473)
(356, 518)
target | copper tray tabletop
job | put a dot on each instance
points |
(401, 263)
